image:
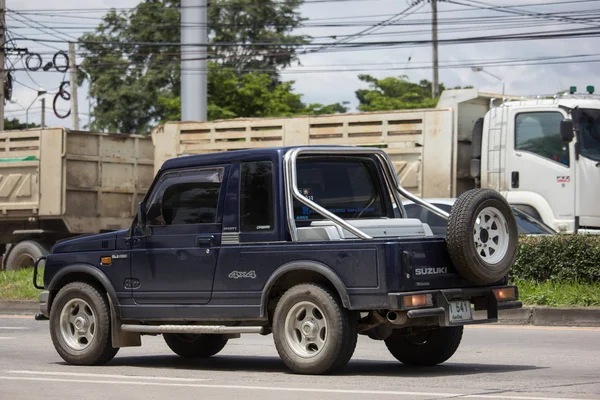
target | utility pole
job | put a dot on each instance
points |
(73, 86)
(2, 53)
(43, 101)
(194, 52)
(435, 86)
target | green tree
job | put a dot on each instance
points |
(136, 81)
(233, 95)
(15, 124)
(393, 93)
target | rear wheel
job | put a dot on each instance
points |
(482, 236)
(430, 347)
(313, 332)
(25, 254)
(80, 325)
(193, 345)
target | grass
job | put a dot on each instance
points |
(18, 285)
(559, 294)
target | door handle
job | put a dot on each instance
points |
(514, 179)
(205, 240)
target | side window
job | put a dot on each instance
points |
(186, 198)
(256, 197)
(539, 133)
(349, 189)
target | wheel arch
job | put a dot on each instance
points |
(83, 273)
(297, 272)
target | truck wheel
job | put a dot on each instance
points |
(195, 346)
(482, 236)
(313, 332)
(425, 348)
(80, 325)
(25, 254)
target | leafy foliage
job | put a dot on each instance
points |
(15, 124)
(393, 93)
(249, 22)
(558, 258)
(231, 95)
(136, 83)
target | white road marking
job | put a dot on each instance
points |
(285, 389)
(14, 328)
(6, 337)
(90, 375)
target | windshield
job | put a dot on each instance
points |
(587, 123)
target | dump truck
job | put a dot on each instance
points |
(56, 183)
(542, 153)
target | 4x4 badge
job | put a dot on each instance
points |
(242, 274)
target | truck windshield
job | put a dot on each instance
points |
(347, 188)
(587, 122)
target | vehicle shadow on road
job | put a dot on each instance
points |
(274, 365)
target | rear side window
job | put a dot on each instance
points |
(349, 189)
(256, 197)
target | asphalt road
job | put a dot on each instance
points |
(493, 362)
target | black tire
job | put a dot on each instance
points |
(474, 261)
(99, 349)
(25, 254)
(195, 346)
(426, 348)
(339, 334)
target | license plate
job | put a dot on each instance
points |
(460, 311)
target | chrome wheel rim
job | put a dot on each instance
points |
(78, 324)
(306, 329)
(491, 235)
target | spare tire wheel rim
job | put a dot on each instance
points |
(306, 329)
(491, 235)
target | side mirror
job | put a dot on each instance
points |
(567, 130)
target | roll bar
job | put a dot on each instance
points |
(292, 192)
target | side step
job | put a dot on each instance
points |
(197, 329)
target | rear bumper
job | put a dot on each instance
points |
(480, 299)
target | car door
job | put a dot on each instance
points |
(539, 164)
(174, 263)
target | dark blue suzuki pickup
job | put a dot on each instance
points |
(311, 244)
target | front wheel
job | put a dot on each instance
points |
(195, 346)
(313, 332)
(80, 325)
(425, 348)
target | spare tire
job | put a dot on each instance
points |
(482, 236)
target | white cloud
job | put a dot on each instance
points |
(339, 86)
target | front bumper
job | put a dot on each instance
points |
(481, 299)
(44, 297)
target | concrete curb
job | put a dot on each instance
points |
(539, 316)
(551, 316)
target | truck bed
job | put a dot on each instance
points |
(91, 181)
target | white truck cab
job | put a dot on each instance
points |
(543, 154)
